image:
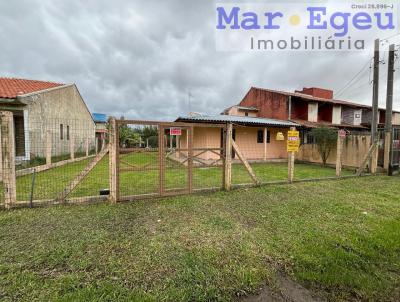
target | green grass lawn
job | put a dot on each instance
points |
(338, 238)
(49, 184)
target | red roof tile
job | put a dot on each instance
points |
(10, 88)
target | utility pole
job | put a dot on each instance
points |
(375, 102)
(389, 110)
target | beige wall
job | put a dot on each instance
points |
(337, 115)
(355, 149)
(240, 112)
(246, 139)
(313, 112)
(396, 118)
(47, 110)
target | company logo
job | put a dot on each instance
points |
(312, 27)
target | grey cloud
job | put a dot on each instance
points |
(141, 58)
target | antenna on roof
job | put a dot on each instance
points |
(189, 101)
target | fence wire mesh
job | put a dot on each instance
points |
(65, 159)
(138, 159)
(52, 158)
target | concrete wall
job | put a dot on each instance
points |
(354, 151)
(48, 110)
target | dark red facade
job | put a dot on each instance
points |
(318, 92)
(270, 104)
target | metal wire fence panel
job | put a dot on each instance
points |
(62, 159)
(95, 183)
(185, 158)
(52, 157)
(395, 154)
(138, 156)
(262, 156)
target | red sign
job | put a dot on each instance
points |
(342, 133)
(175, 131)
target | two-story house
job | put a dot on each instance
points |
(310, 108)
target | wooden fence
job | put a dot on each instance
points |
(164, 169)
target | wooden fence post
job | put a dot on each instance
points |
(72, 146)
(113, 161)
(87, 146)
(228, 158)
(8, 158)
(161, 157)
(339, 153)
(388, 147)
(374, 159)
(96, 147)
(190, 161)
(49, 147)
(291, 162)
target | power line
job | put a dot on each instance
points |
(349, 83)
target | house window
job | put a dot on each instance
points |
(61, 131)
(67, 132)
(310, 139)
(268, 137)
(260, 136)
(246, 114)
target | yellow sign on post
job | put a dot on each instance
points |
(293, 141)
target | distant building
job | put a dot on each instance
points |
(42, 109)
(264, 114)
(100, 120)
(310, 107)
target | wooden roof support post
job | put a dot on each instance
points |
(291, 162)
(339, 155)
(8, 158)
(265, 143)
(228, 158)
(113, 161)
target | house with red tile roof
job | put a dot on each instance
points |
(46, 113)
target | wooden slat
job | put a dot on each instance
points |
(366, 159)
(78, 179)
(245, 162)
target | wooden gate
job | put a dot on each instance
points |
(151, 161)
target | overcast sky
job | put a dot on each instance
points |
(140, 59)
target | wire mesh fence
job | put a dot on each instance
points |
(138, 159)
(50, 155)
(63, 160)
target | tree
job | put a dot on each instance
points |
(128, 137)
(325, 138)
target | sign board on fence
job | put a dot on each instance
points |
(175, 131)
(342, 133)
(293, 141)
